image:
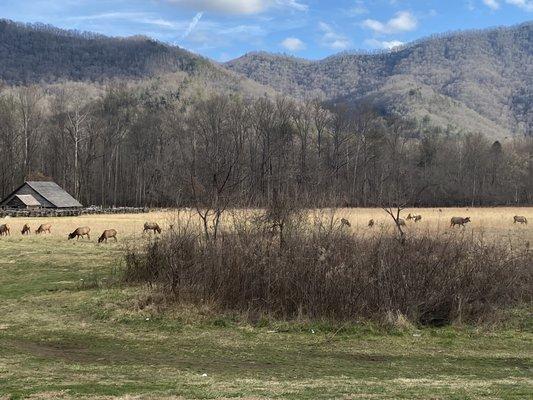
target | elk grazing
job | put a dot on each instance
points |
(459, 221)
(520, 220)
(371, 223)
(80, 232)
(25, 229)
(5, 230)
(345, 222)
(151, 226)
(108, 234)
(44, 228)
(417, 218)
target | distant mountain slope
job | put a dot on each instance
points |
(32, 53)
(473, 81)
(486, 75)
(44, 54)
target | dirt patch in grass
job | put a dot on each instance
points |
(122, 354)
(59, 350)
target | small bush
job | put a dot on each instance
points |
(327, 273)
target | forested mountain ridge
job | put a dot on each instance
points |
(477, 80)
(41, 53)
(36, 53)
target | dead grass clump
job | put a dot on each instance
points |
(398, 321)
(324, 272)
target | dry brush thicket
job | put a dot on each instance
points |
(322, 270)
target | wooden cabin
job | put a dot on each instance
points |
(36, 194)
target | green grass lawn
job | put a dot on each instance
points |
(64, 336)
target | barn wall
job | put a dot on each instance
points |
(26, 189)
(15, 202)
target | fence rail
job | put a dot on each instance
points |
(71, 212)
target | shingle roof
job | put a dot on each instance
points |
(28, 199)
(52, 192)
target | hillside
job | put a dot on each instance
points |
(43, 54)
(470, 81)
(479, 80)
(33, 53)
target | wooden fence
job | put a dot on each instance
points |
(71, 212)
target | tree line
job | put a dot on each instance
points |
(125, 146)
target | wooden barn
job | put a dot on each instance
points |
(36, 194)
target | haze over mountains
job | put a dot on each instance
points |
(474, 81)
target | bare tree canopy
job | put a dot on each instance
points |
(154, 146)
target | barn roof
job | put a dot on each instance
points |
(28, 200)
(52, 192)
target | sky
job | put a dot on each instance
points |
(313, 29)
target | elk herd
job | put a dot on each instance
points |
(460, 221)
(85, 231)
(81, 232)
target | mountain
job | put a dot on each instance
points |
(474, 81)
(477, 81)
(36, 53)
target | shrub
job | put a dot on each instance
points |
(325, 272)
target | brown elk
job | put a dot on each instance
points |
(459, 221)
(151, 226)
(108, 234)
(44, 228)
(80, 232)
(26, 229)
(371, 223)
(520, 220)
(5, 230)
(417, 218)
(345, 222)
(410, 217)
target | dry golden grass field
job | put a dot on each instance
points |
(487, 223)
(70, 329)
